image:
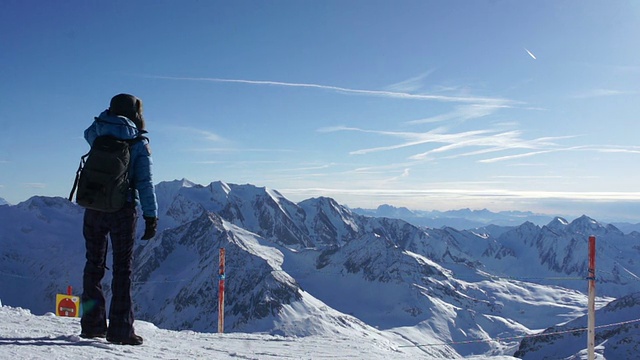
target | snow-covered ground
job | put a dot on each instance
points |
(27, 336)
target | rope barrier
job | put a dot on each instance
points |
(17, 276)
(619, 276)
(526, 278)
(463, 278)
(626, 274)
(322, 273)
(478, 341)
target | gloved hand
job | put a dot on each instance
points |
(150, 227)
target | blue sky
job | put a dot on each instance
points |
(432, 105)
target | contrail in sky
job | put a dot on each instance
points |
(390, 94)
(530, 54)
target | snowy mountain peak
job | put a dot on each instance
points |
(329, 223)
(176, 184)
(328, 204)
(3, 202)
(584, 219)
(586, 226)
(558, 223)
(186, 183)
(529, 226)
(394, 212)
(48, 208)
(275, 195)
(220, 186)
(44, 201)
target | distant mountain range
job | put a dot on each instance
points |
(3, 202)
(469, 219)
(317, 267)
(460, 219)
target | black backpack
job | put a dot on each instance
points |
(102, 178)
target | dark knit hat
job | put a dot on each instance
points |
(128, 106)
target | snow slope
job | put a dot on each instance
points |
(47, 337)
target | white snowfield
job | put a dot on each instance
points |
(27, 336)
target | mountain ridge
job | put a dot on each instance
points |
(460, 218)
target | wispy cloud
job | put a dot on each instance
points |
(413, 139)
(496, 142)
(463, 113)
(239, 150)
(203, 134)
(518, 156)
(209, 162)
(337, 128)
(596, 93)
(510, 140)
(527, 177)
(242, 164)
(410, 85)
(530, 54)
(483, 141)
(586, 148)
(619, 149)
(453, 140)
(221, 144)
(35, 185)
(208, 135)
(384, 168)
(381, 93)
(306, 168)
(460, 192)
(405, 174)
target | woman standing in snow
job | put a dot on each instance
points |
(123, 120)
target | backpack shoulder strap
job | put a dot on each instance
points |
(75, 182)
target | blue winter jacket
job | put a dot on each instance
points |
(140, 166)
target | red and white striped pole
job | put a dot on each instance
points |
(591, 325)
(221, 276)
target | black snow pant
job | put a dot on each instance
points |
(121, 227)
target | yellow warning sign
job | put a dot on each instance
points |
(67, 305)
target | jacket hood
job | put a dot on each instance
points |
(116, 126)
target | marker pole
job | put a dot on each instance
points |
(591, 322)
(221, 275)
